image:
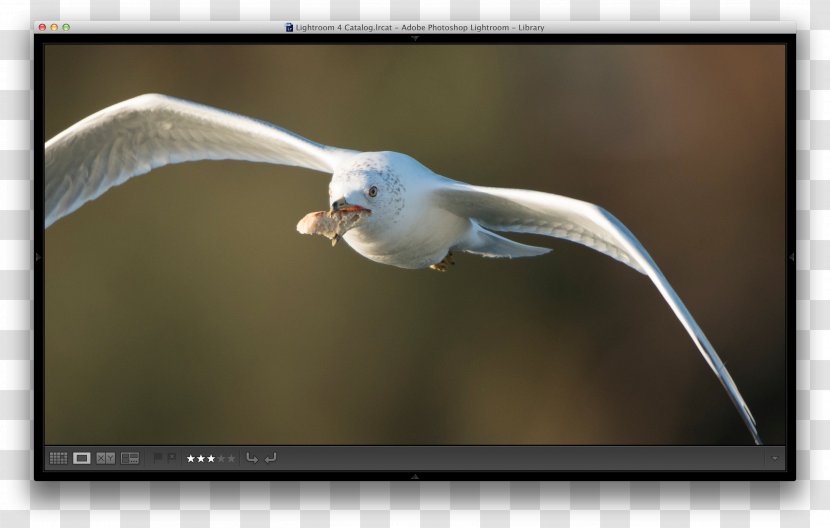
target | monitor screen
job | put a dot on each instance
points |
(317, 255)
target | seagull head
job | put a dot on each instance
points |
(368, 181)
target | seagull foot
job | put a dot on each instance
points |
(445, 264)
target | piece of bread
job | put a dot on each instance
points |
(331, 225)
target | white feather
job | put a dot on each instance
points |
(135, 136)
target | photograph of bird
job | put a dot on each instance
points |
(399, 212)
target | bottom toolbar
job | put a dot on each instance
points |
(293, 458)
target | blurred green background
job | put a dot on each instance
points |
(183, 307)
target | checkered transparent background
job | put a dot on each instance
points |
(803, 503)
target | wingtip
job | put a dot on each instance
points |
(752, 425)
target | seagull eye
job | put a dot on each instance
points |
(373, 191)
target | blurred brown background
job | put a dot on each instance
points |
(182, 307)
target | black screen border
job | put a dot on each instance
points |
(41, 40)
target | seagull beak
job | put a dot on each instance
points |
(341, 205)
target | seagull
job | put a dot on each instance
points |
(414, 218)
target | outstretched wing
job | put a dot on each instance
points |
(523, 211)
(138, 135)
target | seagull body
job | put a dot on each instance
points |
(414, 223)
(418, 218)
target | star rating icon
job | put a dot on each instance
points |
(211, 459)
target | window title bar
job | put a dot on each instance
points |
(404, 28)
